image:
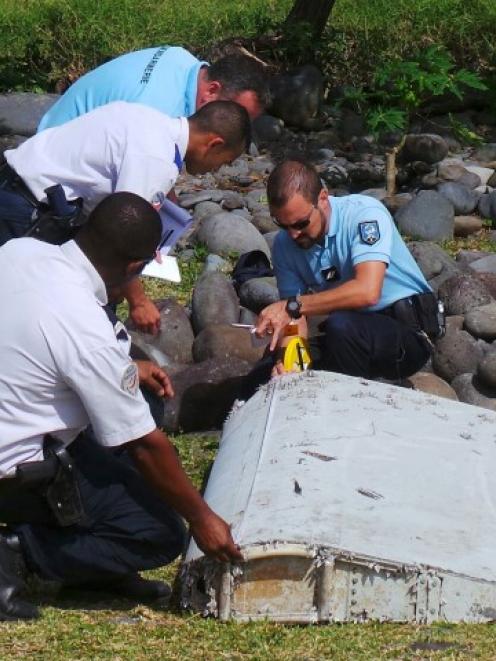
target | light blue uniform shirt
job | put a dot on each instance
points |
(165, 78)
(301, 271)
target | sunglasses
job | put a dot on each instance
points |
(299, 225)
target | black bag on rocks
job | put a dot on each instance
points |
(253, 264)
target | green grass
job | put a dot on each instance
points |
(43, 41)
(82, 626)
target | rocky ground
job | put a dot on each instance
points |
(444, 191)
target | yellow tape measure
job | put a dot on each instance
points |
(297, 355)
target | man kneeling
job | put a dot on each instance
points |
(86, 506)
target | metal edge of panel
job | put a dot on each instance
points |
(334, 586)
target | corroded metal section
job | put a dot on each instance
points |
(352, 501)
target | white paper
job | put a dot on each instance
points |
(175, 222)
(167, 270)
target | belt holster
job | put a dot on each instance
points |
(54, 479)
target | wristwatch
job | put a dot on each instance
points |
(293, 307)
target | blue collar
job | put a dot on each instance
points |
(177, 158)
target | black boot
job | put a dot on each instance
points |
(12, 572)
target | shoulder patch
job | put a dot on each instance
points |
(369, 232)
(130, 379)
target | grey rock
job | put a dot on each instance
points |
(215, 263)
(486, 153)
(232, 200)
(264, 222)
(204, 394)
(395, 202)
(226, 233)
(463, 292)
(448, 170)
(238, 168)
(297, 97)
(214, 301)
(189, 200)
(485, 264)
(257, 293)
(487, 206)
(335, 175)
(463, 199)
(222, 341)
(204, 209)
(426, 147)
(470, 390)
(489, 280)
(267, 128)
(467, 225)
(21, 112)
(175, 340)
(429, 216)
(256, 199)
(366, 173)
(470, 180)
(454, 322)
(10, 142)
(491, 182)
(261, 165)
(481, 322)
(432, 384)
(484, 174)
(244, 213)
(456, 353)
(140, 341)
(376, 193)
(433, 261)
(270, 237)
(247, 316)
(486, 370)
(466, 257)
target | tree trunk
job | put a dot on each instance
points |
(313, 12)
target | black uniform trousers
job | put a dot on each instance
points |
(126, 526)
(367, 344)
(17, 207)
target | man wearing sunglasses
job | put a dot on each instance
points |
(86, 506)
(344, 258)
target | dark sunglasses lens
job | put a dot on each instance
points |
(298, 226)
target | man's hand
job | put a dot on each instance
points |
(213, 536)
(272, 320)
(278, 369)
(154, 378)
(145, 316)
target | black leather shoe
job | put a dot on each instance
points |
(133, 586)
(12, 572)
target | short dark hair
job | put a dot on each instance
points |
(240, 73)
(227, 119)
(291, 177)
(122, 228)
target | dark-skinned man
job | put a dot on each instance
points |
(343, 257)
(117, 147)
(86, 506)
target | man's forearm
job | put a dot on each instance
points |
(349, 296)
(156, 458)
(134, 292)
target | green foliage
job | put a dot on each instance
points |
(399, 88)
(44, 41)
(464, 134)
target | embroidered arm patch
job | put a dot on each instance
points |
(369, 232)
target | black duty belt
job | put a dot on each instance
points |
(419, 311)
(10, 180)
